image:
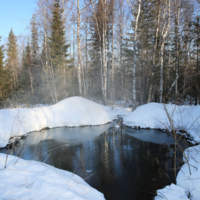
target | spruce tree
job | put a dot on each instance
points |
(25, 79)
(5, 84)
(57, 65)
(36, 68)
(57, 40)
(12, 58)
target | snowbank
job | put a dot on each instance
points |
(189, 175)
(171, 192)
(35, 180)
(188, 178)
(154, 115)
(74, 111)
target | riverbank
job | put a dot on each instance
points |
(25, 179)
(184, 120)
(71, 112)
(188, 179)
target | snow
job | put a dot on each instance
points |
(189, 175)
(172, 192)
(71, 112)
(188, 178)
(185, 118)
(22, 179)
(154, 116)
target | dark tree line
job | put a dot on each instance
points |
(109, 50)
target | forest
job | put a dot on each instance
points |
(105, 50)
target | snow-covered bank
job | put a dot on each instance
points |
(71, 112)
(34, 180)
(154, 115)
(188, 179)
(185, 118)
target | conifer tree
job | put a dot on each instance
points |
(55, 63)
(5, 84)
(36, 68)
(25, 80)
(12, 58)
(57, 40)
(34, 39)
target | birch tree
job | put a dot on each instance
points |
(136, 9)
(165, 25)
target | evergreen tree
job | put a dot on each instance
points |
(5, 84)
(195, 90)
(25, 79)
(55, 62)
(57, 40)
(36, 68)
(12, 58)
(34, 39)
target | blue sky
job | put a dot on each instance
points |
(15, 14)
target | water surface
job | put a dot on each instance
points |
(122, 163)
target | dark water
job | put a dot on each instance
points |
(122, 163)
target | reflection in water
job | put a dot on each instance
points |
(117, 164)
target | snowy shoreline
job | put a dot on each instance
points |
(25, 179)
(167, 117)
(38, 180)
(80, 112)
(179, 119)
(71, 112)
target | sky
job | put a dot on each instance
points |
(15, 14)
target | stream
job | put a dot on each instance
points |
(120, 162)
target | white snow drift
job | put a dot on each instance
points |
(74, 111)
(154, 115)
(22, 179)
(171, 192)
(187, 118)
(188, 179)
(189, 175)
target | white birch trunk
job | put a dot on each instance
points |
(79, 48)
(113, 70)
(177, 43)
(164, 33)
(135, 56)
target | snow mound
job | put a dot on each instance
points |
(35, 180)
(189, 175)
(188, 178)
(171, 192)
(74, 111)
(154, 115)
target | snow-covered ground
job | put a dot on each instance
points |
(188, 179)
(31, 179)
(22, 179)
(155, 116)
(169, 116)
(71, 112)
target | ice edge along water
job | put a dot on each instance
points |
(24, 179)
(185, 118)
(71, 112)
(77, 111)
(30, 179)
